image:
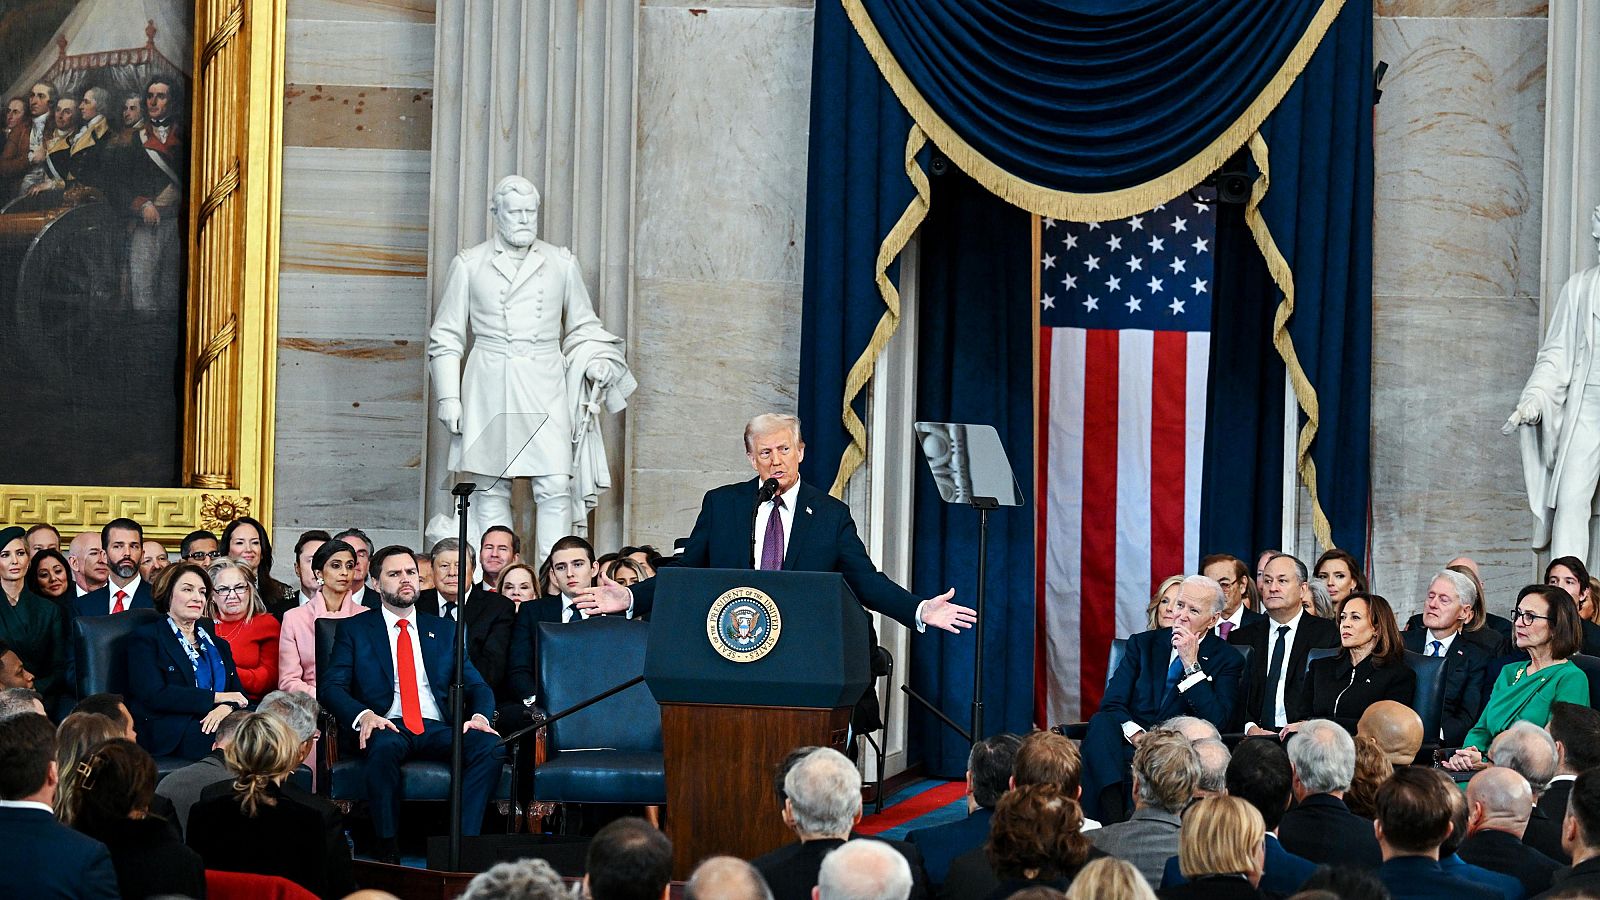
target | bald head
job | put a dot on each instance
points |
(1528, 750)
(726, 878)
(1466, 562)
(863, 870)
(1395, 727)
(1499, 800)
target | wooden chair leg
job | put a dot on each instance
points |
(652, 814)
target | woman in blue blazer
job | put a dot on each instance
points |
(181, 677)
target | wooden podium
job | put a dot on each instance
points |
(736, 698)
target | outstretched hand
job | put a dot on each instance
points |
(605, 598)
(940, 612)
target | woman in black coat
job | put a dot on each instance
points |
(1370, 665)
(258, 823)
(111, 792)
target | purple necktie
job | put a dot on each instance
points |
(772, 544)
(1225, 627)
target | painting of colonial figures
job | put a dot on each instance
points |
(93, 220)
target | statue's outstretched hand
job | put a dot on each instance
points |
(1526, 413)
(450, 414)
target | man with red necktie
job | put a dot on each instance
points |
(388, 682)
(123, 543)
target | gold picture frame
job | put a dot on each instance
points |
(231, 322)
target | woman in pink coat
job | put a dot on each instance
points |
(335, 565)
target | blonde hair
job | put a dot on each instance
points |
(263, 752)
(223, 564)
(1109, 878)
(768, 423)
(78, 736)
(1220, 836)
(1153, 613)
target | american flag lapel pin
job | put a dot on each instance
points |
(430, 634)
(808, 510)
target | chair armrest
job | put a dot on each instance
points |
(326, 752)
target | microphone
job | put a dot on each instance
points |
(769, 489)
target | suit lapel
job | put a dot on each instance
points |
(530, 265)
(174, 648)
(800, 527)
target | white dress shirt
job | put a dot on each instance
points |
(430, 708)
(1235, 620)
(1444, 643)
(785, 515)
(27, 804)
(130, 589)
(359, 595)
(302, 598)
(1278, 712)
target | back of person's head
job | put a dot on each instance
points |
(1373, 768)
(262, 752)
(824, 791)
(1323, 756)
(1220, 836)
(1395, 727)
(1577, 729)
(781, 771)
(726, 878)
(1038, 892)
(864, 870)
(628, 860)
(1528, 750)
(1192, 727)
(1108, 878)
(80, 733)
(1583, 806)
(1213, 756)
(525, 879)
(228, 727)
(106, 704)
(1259, 774)
(1049, 758)
(1414, 810)
(990, 765)
(297, 709)
(1166, 770)
(1459, 813)
(1500, 796)
(1344, 883)
(114, 780)
(27, 754)
(18, 700)
(1037, 827)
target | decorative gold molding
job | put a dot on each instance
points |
(236, 119)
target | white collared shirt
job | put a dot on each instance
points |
(86, 128)
(359, 595)
(302, 598)
(1444, 643)
(430, 707)
(130, 589)
(785, 516)
(27, 804)
(1280, 714)
(1236, 620)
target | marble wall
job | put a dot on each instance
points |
(352, 304)
(1459, 143)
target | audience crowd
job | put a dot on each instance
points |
(1267, 736)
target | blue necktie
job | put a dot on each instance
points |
(1174, 673)
(1438, 649)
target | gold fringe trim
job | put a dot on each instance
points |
(1092, 207)
(856, 380)
(1304, 392)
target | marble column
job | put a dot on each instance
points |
(1572, 143)
(544, 90)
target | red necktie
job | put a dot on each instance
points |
(120, 606)
(410, 704)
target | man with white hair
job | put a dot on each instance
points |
(863, 870)
(1450, 606)
(1499, 802)
(1184, 669)
(1278, 648)
(822, 803)
(725, 878)
(1320, 827)
(537, 350)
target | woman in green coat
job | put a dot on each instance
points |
(35, 628)
(1545, 626)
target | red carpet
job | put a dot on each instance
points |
(919, 800)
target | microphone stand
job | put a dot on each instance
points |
(458, 680)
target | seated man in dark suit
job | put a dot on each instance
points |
(488, 615)
(1279, 644)
(122, 541)
(822, 803)
(1580, 836)
(388, 681)
(1456, 867)
(1576, 732)
(1500, 801)
(1413, 820)
(1181, 670)
(1451, 604)
(40, 857)
(1320, 827)
(1233, 576)
(988, 776)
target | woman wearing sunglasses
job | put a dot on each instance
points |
(1546, 627)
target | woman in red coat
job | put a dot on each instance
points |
(243, 621)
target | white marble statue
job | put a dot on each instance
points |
(1558, 419)
(537, 348)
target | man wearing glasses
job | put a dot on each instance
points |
(1185, 670)
(199, 547)
(1231, 573)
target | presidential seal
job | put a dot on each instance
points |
(743, 625)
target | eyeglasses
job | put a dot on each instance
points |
(1526, 617)
(233, 589)
(203, 555)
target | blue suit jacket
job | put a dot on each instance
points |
(161, 694)
(822, 538)
(41, 859)
(1284, 872)
(941, 844)
(1509, 887)
(1420, 878)
(1138, 691)
(361, 674)
(98, 601)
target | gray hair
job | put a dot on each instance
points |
(767, 423)
(1528, 750)
(453, 545)
(100, 96)
(726, 878)
(512, 184)
(1167, 771)
(1323, 756)
(864, 869)
(824, 791)
(1214, 758)
(525, 879)
(1299, 567)
(17, 700)
(1191, 727)
(1464, 588)
(1201, 583)
(1321, 600)
(295, 709)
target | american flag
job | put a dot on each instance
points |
(1124, 342)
